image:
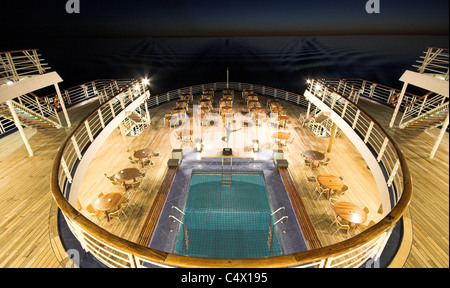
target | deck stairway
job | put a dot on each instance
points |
(430, 110)
(321, 125)
(428, 120)
(425, 112)
(135, 124)
(21, 73)
(227, 174)
(31, 118)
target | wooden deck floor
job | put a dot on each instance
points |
(25, 205)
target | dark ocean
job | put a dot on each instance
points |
(280, 62)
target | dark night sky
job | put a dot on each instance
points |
(126, 39)
(184, 18)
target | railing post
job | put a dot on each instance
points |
(63, 106)
(100, 116)
(66, 170)
(397, 107)
(308, 110)
(423, 104)
(368, 132)
(327, 262)
(391, 94)
(86, 94)
(122, 104)
(149, 120)
(77, 149)
(393, 173)
(356, 119)
(12, 67)
(383, 148)
(441, 135)
(69, 101)
(339, 85)
(372, 90)
(19, 127)
(39, 105)
(344, 109)
(112, 109)
(88, 129)
(333, 100)
(38, 62)
(131, 259)
(425, 61)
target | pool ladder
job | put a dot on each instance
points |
(272, 226)
(173, 219)
(227, 175)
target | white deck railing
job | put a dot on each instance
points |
(102, 89)
(15, 65)
(435, 62)
(370, 90)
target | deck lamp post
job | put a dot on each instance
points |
(255, 145)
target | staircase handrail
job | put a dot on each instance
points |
(76, 94)
(424, 115)
(32, 113)
(423, 106)
(39, 107)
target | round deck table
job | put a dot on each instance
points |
(142, 154)
(109, 202)
(281, 135)
(127, 174)
(330, 182)
(277, 109)
(350, 212)
(314, 156)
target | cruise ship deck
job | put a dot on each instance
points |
(296, 134)
(30, 236)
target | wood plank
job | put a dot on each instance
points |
(306, 225)
(157, 206)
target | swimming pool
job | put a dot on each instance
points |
(227, 222)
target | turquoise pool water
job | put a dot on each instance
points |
(227, 222)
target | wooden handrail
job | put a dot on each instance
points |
(290, 260)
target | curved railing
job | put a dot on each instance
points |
(114, 251)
